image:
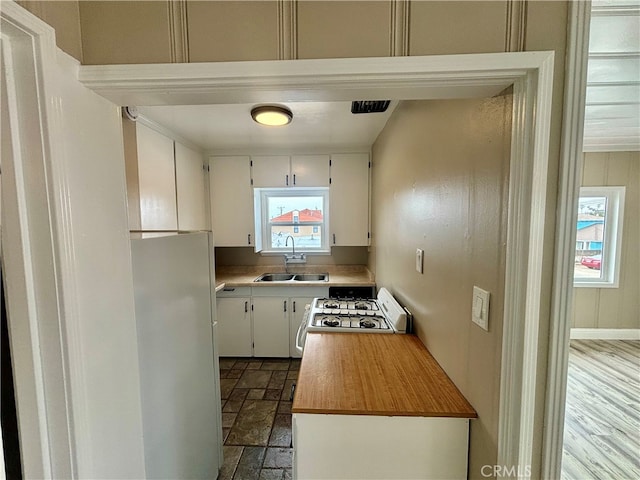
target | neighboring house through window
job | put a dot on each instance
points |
(297, 212)
(599, 236)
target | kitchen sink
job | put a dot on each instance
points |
(287, 277)
(312, 277)
(274, 277)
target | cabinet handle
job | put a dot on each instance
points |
(249, 239)
(334, 238)
(285, 305)
(286, 180)
(246, 307)
(294, 306)
(294, 178)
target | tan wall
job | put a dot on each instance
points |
(125, 32)
(64, 16)
(440, 177)
(615, 307)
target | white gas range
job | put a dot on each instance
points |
(355, 315)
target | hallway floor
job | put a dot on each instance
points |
(256, 417)
(602, 422)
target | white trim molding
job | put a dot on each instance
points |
(178, 31)
(287, 29)
(400, 23)
(516, 25)
(605, 334)
(571, 162)
(31, 249)
(445, 76)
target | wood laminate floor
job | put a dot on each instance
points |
(602, 421)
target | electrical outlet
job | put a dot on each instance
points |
(419, 260)
(480, 308)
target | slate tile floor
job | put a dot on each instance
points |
(256, 417)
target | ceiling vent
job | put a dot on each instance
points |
(369, 106)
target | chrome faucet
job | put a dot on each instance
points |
(293, 258)
(293, 244)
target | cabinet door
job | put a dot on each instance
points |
(297, 312)
(190, 189)
(271, 326)
(271, 171)
(349, 198)
(231, 201)
(157, 180)
(234, 326)
(309, 171)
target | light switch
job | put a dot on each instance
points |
(419, 260)
(480, 308)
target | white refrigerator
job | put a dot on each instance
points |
(179, 375)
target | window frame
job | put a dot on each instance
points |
(262, 224)
(612, 237)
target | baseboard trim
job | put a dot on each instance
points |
(605, 334)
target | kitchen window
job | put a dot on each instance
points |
(301, 213)
(599, 237)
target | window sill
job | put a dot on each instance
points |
(308, 253)
(604, 284)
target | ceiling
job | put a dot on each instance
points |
(612, 112)
(229, 127)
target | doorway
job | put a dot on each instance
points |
(586, 93)
(8, 415)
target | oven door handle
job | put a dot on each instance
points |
(302, 330)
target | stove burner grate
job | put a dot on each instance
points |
(331, 306)
(362, 306)
(366, 323)
(330, 322)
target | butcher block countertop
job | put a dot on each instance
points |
(374, 374)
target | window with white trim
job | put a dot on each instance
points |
(302, 213)
(599, 237)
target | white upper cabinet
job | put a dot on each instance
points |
(349, 199)
(190, 189)
(270, 170)
(290, 171)
(309, 171)
(156, 179)
(231, 201)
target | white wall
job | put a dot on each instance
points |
(98, 284)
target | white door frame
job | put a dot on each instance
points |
(32, 266)
(447, 76)
(571, 162)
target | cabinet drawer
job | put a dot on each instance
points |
(234, 292)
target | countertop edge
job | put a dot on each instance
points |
(376, 413)
(339, 275)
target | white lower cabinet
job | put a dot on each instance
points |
(371, 447)
(271, 326)
(262, 321)
(234, 322)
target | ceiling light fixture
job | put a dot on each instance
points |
(271, 115)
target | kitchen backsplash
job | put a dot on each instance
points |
(230, 256)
